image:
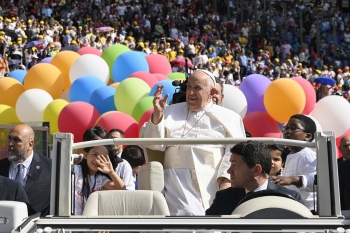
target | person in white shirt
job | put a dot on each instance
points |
(193, 173)
(300, 167)
(96, 172)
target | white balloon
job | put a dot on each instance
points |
(31, 105)
(333, 114)
(89, 64)
(235, 100)
(65, 95)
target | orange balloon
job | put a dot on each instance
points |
(63, 61)
(115, 85)
(284, 98)
(10, 90)
(46, 77)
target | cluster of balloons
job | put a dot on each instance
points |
(266, 105)
(77, 90)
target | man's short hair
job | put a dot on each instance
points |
(253, 153)
(134, 155)
(221, 84)
(308, 124)
(121, 132)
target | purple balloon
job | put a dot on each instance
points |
(46, 60)
(254, 87)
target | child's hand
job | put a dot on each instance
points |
(104, 164)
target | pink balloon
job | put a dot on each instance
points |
(120, 120)
(145, 117)
(158, 64)
(76, 117)
(339, 154)
(261, 124)
(89, 50)
(150, 79)
(160, 77)
(310, 94)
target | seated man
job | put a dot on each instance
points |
(344, 184)
(11, 190)
(300, 167)
(250, 166)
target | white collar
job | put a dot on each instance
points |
(262, 187)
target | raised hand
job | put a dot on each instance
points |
(104, 164)
(159, 104)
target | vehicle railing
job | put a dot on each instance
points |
(328, 203)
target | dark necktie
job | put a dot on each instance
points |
(20, 174)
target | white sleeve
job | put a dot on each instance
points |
(124, 171)
(307, 171)
(149, 130)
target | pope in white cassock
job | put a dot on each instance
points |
(193, 173)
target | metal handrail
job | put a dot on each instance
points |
(194, 141)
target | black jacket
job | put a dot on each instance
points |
(38, 185)
(344, 184)
(227, 200)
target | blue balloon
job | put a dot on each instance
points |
(127, 63)
(103, 99)
(83, 87)
(18, 75)
(168, 89)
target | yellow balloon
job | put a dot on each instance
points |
(51, 113)
(284, 98)
(63, 61)
(8, 115)
(46, 77)
(10, 90)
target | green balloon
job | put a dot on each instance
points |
(141, 107)
(128, 94)
(111, 54)
(177, 76)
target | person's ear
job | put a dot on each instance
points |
(258, 170)
(222, 95)
(308, 137)
(213, 91)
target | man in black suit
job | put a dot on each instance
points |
(250, 166)
(344, 184)
(31, 170)
(344, 148)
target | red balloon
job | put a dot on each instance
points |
(160, 77)
(261, 124)
(310, 94)
(120, 120)
(150, 79)
(76, 117)
(89, 50)
(158, 64)
(337, 140)
(145, 117)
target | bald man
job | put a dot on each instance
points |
(31, 170)
(193, 173)
(344, 148)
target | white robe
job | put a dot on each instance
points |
(191, 171)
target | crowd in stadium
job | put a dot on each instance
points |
(265, 41)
